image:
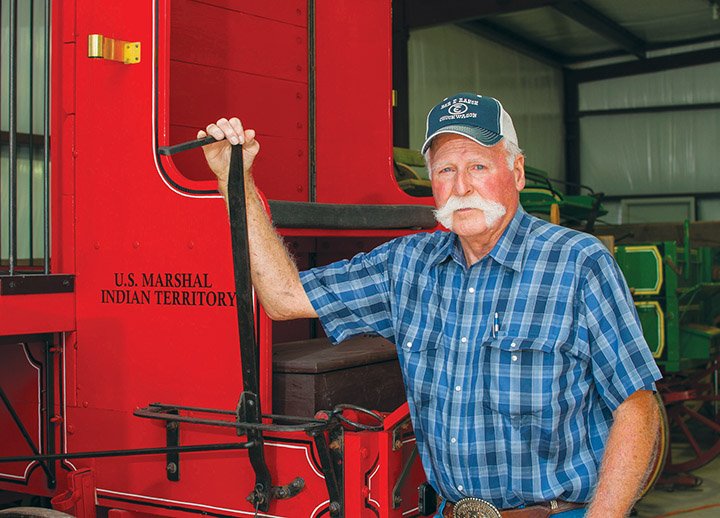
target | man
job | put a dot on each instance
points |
(527, 375)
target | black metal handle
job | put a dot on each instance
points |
(184, 146)
(249, 408)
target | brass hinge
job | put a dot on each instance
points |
(127, 52)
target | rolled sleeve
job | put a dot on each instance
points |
(352, 296)
(621, 359)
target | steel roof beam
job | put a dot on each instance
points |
(658, 64)
(514, 41)
(427, 13)
(602, 25)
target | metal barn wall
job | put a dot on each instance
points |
(447, 59)
(653, 134)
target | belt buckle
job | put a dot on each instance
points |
(475, 508)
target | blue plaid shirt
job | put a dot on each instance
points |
(513, 414)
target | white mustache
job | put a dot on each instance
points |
(493, 210)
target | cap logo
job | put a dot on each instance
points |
(458, 109)
(478, 118)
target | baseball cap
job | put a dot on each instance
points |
(482, 119)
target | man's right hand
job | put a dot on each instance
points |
(274, 274)
(228, 132)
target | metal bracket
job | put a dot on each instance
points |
(172, 466)
(396, 498)
(127, 52)
(36, 284)
(277, 492)
(332, 469)
(398, 432)
(248, 412)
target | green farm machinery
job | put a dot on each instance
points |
(676, 288)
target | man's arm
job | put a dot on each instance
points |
(630, 449)
(274, 273)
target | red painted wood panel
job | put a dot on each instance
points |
(257, 73)
(289, 11)
(202, 94)
(28, 314)
(354, 112)
(210, 35)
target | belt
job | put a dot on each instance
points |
(476, 508)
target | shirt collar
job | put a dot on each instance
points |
(510, 248)
(509, 251)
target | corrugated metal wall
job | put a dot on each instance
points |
(654, 134)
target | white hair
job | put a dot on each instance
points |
(512, 152)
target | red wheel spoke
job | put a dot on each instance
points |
(693, 411)
(707, 422)
(689, 437)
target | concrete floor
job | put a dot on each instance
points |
(699, 502)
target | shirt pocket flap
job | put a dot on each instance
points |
(419, 346)
(516, 343)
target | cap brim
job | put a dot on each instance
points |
(480, 135)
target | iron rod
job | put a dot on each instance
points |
(23, 430)
(132, 452)
(49, 402)
(249, 407)
(31, 103)
(46, 146)
(312, 104)
(184, 146)
(12, 140)
(241, 426)
(241, 264)
(1, 139)
(288, 418)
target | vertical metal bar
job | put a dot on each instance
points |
(572, 131)
(312, 166)
(172, 436)
(49, 403)
(333, 476)
(31, 161)
(249, 407)
(23, 431)
(715, 388)
(2, 107)
(12, 140)
(46, 145)
(401, 83)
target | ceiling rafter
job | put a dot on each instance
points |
(427, 13)
(514, 41)
(657, 64)
(602, 25)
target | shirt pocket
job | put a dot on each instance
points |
(518, 375)
(420, 360)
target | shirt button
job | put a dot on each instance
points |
(513, 345)
(514, 357)
(453, 440)
(409, 344)
(460, 488)
(471, 290)
(463, 339)
(458, 388)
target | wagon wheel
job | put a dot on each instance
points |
(693, 409)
